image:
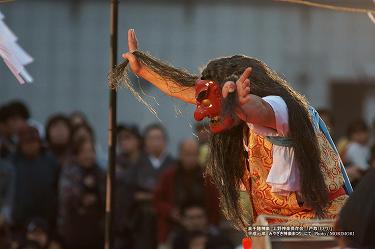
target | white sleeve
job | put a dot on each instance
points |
(281, 113)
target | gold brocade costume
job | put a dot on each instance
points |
(266, 202)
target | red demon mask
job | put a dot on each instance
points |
(208, 98)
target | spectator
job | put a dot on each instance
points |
(129, 143)
(38, 231)
(82, 131)
(18, 115)
(143, 180)
(6, 178)
(197, 240)
(35, 181)
(194, 219)
(129, 156)
(357, 151)
(181, 184)
(77, 118)
(58, 136)
(81, 203)
(85, 131)
(13, 116)
(6, 144)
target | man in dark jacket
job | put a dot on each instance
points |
(143, 180)
(34, 192)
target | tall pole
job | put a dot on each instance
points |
(112, 122)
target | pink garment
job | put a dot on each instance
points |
(284, 175)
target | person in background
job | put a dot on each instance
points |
(58, 137)
(6, 178)
(81, 199)
(77, 118)
(85, 131)
(129, 143)
(194, 219)
(129, 152)
(38, 231)
(357, 151)
(36, 173)
(203, 133)
(6, 144)
(143, 179)
(14, 115)
(181, 184)
(197, 240)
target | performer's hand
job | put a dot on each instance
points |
(251, 108)
(242, 85)
(132, 46)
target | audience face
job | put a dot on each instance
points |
(86, 156)
(155, 142)
(30, 149)
(360, 137)
(194, 219)
(29, 141)
(15, 123)
(189, 154)
(59, 133)
(82, 132)
(128, 142)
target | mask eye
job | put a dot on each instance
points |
(202, 95)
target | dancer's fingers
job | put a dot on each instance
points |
(245, 75)
(134, 63)
(246, 83)
(132, 41)
(228, 87)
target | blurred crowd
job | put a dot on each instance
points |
(356, 147)
(52, 186)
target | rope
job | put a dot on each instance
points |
(328, 6)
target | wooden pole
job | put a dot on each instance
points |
(112, 122)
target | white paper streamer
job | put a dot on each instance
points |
(15, 57)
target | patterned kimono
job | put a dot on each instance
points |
(264, 201)
(263, 198)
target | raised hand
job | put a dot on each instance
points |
(242, 86)
(135, 65)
